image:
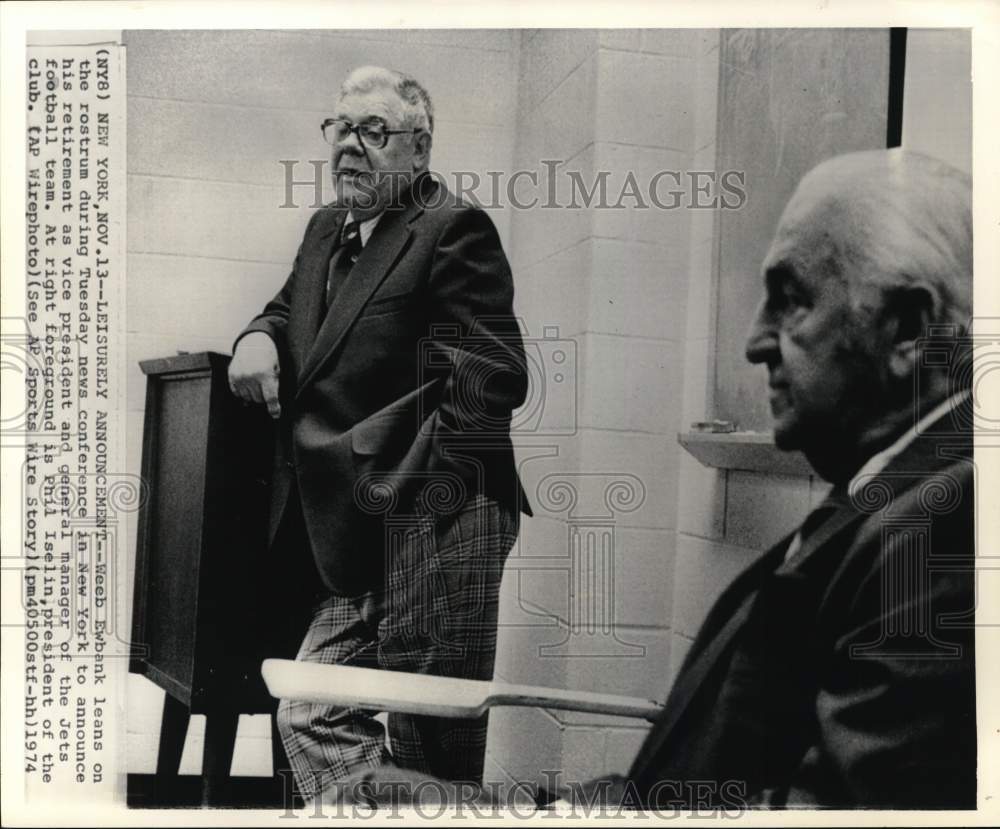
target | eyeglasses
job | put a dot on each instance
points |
(372, 134)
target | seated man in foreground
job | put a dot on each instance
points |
(839, 669)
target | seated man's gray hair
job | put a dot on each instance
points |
(907, 219)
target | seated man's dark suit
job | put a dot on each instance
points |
(844, 676)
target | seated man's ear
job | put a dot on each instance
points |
(906, 314)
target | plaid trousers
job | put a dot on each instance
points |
(436, 615)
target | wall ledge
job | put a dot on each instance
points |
(748, 451)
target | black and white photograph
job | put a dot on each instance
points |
(586, 419)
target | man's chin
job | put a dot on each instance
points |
(361, 199)
(786, 437)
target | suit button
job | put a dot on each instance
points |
(289, 465)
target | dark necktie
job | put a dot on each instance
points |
(342, 260)
(833, 501)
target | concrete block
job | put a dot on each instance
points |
(656, 86)
(636, 663)
(550, 414)
(696, 405)
(540, 568)
(562, 123)
(494, 774)
(190, 297)
(635, 291)
(644, 571)
(630, 384)
(644, 201)
(525, 742)
(679, 647)
(544, 220)
(706, 92)
(540, 456)
(243, 71)
(548, 57)
(621, 747)
(459, 145)
(606, 456)
(613, 576)
(526, 641)
(701, 292)
(212, 219)
(703, 222)
(704, 569)
(583, 754)
(553, 293)
(702, 508)
(481, 40)
(543, 536)
(760, 509)
(133, 447)
(622, 39)
(218, 142)
(672, 42)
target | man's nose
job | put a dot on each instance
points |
(762, 341)
(350, 144)
(353, 143)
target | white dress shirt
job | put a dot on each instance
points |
(366, 227)
(880, 460)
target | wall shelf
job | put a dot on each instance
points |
(750, 451)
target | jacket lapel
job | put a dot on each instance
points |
(707, 650)
(387, 243)
(815, 541)
(921, 459)
(307, 317)
(696, 669)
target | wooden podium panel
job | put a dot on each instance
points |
(204, 613)
(202, 536)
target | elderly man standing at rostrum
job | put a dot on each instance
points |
(838, 670)
(392, 361)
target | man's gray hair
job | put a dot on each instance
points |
(419, 111)
(905, 222)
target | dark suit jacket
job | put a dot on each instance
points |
(409, 380)
(845, 676)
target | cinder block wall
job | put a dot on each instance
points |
(210, 115)
(614, 282)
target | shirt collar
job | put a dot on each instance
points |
(366, 227)
(880, 460)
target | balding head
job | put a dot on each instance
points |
(872, 249)
(893, 219)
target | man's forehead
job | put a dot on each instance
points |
(374, 104)
(796, 235)
(813, 214)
